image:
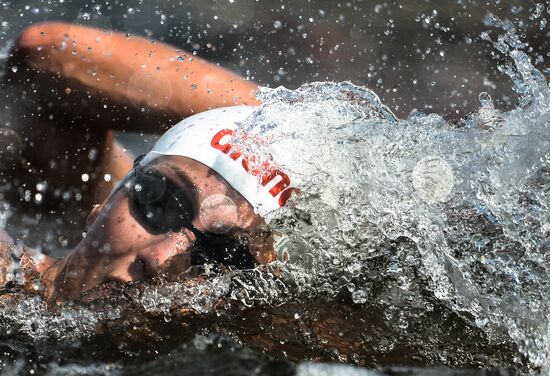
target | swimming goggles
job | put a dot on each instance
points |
(161, 206)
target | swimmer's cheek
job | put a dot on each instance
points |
(171, 246)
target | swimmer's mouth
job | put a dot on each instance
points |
(217, 253)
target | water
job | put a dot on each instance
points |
(472, 197)
(415, 241)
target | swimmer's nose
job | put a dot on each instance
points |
(174, 246)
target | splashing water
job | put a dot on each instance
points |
(32, 317)
(469, 202)
(473, 197)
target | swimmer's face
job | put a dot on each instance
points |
(172, 216)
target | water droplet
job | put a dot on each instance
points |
(484, 98)
(433, 179)
(402, 323)
(359, 297)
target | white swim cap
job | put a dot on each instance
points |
(206, 138)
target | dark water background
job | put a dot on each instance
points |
(417, 54)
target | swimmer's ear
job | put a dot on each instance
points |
(93, 215)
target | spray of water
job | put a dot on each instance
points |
(468, 202)
(473, 197)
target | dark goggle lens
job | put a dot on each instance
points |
(158, 205)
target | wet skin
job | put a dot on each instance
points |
(94, 81)
(68, 86)
(124, 244)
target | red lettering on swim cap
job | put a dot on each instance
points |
(255, 170)
(216, 141)
(283, 181)
(283, 198)
(271, 175)
(244, 162)
(235, 155)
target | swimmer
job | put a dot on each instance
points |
(191, 200)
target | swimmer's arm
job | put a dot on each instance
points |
(112, 81)
(76, 63)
